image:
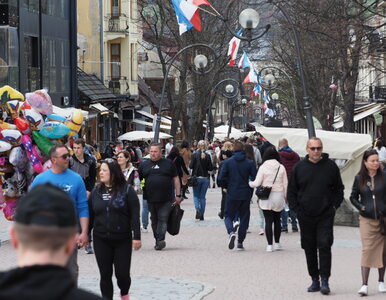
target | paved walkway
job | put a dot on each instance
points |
(197, 264)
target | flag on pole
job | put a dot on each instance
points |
(251, 77)
(233, 48)
(244, 61)
(187, 14)
(256, 91)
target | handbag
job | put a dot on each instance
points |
(263, 192)
(192, 180)
(174, 221)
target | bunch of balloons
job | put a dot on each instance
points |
(28, 130)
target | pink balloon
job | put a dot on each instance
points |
(10, 209)
(47, 165)
(36, 164)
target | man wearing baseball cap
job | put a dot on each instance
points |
(44, 235)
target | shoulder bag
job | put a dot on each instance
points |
(263, 192)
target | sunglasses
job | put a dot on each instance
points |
(316, 148)
(64, 156)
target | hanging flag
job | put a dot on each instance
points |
(256, 91)
(251, 77)
(270, 112)
(233, 48)
(266, 97)
(244, 61)
(187, 14)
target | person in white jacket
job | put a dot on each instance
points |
(272, 173)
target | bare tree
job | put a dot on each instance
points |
(333, 37)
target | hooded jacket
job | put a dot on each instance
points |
(315, 188)
(236, 172)
(41, 282)
(288, 159)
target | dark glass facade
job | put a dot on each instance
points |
(45, 33)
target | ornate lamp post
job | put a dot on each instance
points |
(202, 66)
(230, 90)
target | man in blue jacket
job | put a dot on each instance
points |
(236, 172)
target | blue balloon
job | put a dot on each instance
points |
(54, 130)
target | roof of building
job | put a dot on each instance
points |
(91, 87)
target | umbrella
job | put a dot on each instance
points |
(141, 136)
(224, 129)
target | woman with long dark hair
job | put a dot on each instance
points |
(178, 161)
(272, 173)
(368, 196)
(115, 215)
(200, 164)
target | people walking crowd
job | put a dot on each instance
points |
(303, 192)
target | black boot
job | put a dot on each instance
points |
(183, 191)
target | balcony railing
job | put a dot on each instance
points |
(117, 23)
(117, 85)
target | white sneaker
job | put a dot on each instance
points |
(381, 287)
(269, 248)
(236, 226)
(363, 290)
(277, 247)
(261, 232)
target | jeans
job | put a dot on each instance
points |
(145, 214)
(284, 219)
(159, 215)
(199, 192)
(316, 235)
(117, 253)
(242, 209)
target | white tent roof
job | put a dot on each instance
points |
(141, 136)
(339, 145)
(224, 129)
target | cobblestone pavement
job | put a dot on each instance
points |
(196, 264)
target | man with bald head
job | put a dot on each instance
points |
(288, 158)
(315, 191)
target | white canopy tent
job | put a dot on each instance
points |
(141, 136)
(224, 129)
(339, 145)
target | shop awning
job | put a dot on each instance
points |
(102, 109)
(149, 124)
(362, 113)
(92, 88)
(149, 115)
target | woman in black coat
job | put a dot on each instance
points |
(115, 215)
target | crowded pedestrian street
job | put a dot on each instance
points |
(197, 264)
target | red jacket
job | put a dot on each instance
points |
(288, 159)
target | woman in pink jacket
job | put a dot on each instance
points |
(272, 173)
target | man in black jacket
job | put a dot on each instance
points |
(85, 166)
(162, 188)
(44, 235)
(315, 191)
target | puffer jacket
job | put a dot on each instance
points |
(362, 197)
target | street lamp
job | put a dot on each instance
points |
(249, 20)
(230, 91)
(274, 85)
(200, 62)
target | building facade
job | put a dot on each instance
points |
(38, 47)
